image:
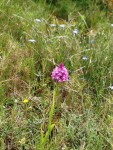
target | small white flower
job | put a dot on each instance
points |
(112, 25)
(84, 58)
(30, 107)
(111, 87)
(75, 31)
(91, 41)
(82, 78)
(35, 98)
(37, 20)
(53, 25)
(32, 40)
(16, 101)
(62, 25)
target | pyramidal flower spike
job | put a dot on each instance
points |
(60, 73)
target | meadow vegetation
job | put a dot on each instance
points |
(36, 112)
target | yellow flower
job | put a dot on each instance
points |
(25, 101)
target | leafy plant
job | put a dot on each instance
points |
(44, 138)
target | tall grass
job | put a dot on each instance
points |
(83, 105)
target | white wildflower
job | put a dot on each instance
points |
(111, 87)
(32, 40)
(84, 58)
(53, 25)
(37, 20)
(75, 31)
(62, 25)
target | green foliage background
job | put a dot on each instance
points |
(83, 115)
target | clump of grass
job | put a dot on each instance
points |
(83, 131)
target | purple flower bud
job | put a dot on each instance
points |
(60, 73)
